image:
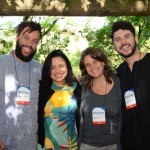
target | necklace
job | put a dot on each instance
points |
(100, 89)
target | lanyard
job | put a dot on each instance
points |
(99, 113)
(17, 73)
(104, 102)
(105, 94)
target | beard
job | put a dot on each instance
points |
(131, 53)
(18, 52)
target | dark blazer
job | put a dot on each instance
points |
(45, 92)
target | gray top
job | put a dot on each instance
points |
(101, 135)
(18, 123)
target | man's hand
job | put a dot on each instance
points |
(2, 146)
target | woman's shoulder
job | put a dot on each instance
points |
(77, 90)
(45, 87)
(77, 85)
(116, 79)
(82, 81)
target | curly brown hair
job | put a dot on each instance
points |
(99, 55)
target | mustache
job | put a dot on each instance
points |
(21, 56)
(29, 47)
(129, 45)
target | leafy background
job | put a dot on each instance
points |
(74, 34)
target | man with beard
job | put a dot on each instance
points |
(19, 87)
(135, 83)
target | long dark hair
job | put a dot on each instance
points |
(46, 70)
(96, 54)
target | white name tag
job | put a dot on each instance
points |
(130, 99)
(98, 115)
(23, 96)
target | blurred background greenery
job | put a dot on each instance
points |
(74, 34)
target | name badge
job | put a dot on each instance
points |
(23, 95)
(98, 115)
(130, 99)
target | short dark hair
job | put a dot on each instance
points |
(99, 55)
(33, 26)
(124, 25)
(46, 70)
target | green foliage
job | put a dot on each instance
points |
(75, 59)
(101, 38)
(7, 34)
(62, 33)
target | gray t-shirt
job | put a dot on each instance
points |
(18, 125)
(105, 134)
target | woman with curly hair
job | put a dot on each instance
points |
(100, 103)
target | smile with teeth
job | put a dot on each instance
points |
(94, 71)
(125, 47)
(58, 75)
(27, 49)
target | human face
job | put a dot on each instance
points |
(26, 44)
(125, 43)
(59, 70)
(93, 67)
